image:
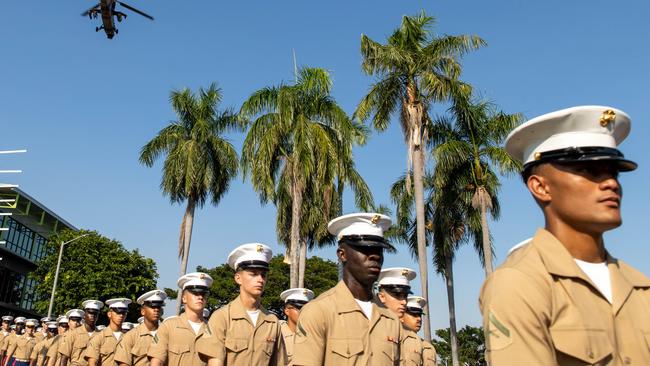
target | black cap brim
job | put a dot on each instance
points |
(367, 241)
(585, 154)
(252, 264)
(197, 289)
(414, 311)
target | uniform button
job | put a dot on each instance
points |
(627, 360)
(591, 354)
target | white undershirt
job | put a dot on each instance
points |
(117, 335)
(195, 326)
(598, 273)
(366, 307)
(253, 315)
(153, 332)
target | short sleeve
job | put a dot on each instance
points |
(212, 344)
(54, 347)
(160, 342)
(65, 344)
(311, 336)
(516, 312)
(92, 351)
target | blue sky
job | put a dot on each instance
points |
(83, 106)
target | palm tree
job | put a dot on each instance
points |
(199, 162)
(447, 230)
(467, 148)
(290, 131)
(415, 69)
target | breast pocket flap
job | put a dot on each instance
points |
(179, 348)
(588, 345)
(236, 345)
(346, 347)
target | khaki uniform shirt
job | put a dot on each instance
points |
(74, 344)
(235, 340)
(539, 308)
(287, 341)
(333, 330)
(428, 354)
(102, 347)
(4, 337)
(40, 351)
(8, 341)
(53, 350)
(132, 348)
(21, 349)
(412, 348)
(174, 343)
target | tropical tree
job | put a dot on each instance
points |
(447, 229)
(472, 346)
(289, 144)
(199, 162)
(414, 69)
(467, 146)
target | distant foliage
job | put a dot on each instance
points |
(93, 267)
(320, 275)
(471, 346)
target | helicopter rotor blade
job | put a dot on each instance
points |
(85, 13)
(135, 10)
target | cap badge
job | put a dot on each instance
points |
(405, 272)
(202, 276)
(375, 219)
(539, 155)
(259, 248)
(304, 292)
(607, 117)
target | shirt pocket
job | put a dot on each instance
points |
(412, 356)
(106, 350)
(345, 351)
(236, 345)
(580, 346)
(177, 353)
(138, 351)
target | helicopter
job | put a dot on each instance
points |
(107, 10)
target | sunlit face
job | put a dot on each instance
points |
(151, 313)
(30, 329)
(63, 327)
(116, 317)
(412, 321)
(586, 196)
(362, 263)
(292, 312)
(74, 322)
(90, 316)
(251, 281)
(395, 301)
(195, 300)
(6, 326)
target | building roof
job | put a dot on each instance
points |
(30, 212)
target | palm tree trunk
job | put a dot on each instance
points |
(339, 189)
(453, 336)
(418, 172)
(186, 238)
(296, 205)
(487, 245)
(303, 262)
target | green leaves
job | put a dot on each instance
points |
(93, 267)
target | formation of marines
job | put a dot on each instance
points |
(560, 298)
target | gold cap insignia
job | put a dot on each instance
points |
(405, 272)
(304, 292)
(375, 219)
(202, 276)
(260, 248)
(538, 156)
(607, 117)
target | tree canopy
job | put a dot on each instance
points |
(93, 267)
(320, 275)
(471, 346)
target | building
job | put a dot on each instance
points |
(25, 226)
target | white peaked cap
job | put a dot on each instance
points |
(62, 319)
(141, 319)
(297, 294)
(92, 304)
(120, 302)
(195, 279)
(576, 127)
(251, 255)
(362, 223)
(153, 295)
(8, 318)
(52, 324)
(20, 319)
(415, 302)
(31, 322)
(99, 328)
(75, 313)
(127, 326)
(399, 276)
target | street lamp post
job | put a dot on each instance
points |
(56, 274)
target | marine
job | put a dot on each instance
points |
(101, 348)
(132, 348)
(343, 326)
(294, 299)
(75, 342)
(562, 298)
(243, 332)
(53, 356)
(20, 349)
(412, 320)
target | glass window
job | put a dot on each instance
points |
(22, 240)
